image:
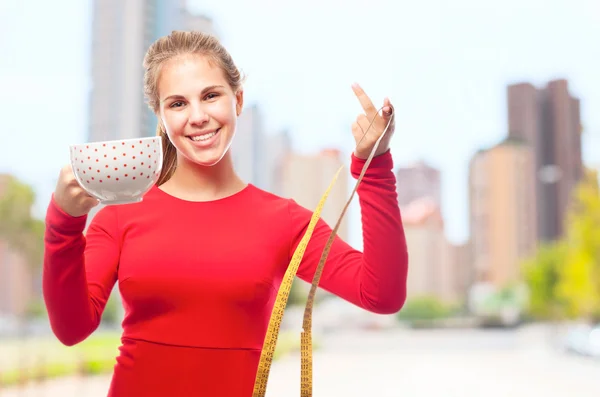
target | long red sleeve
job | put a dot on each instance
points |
(79, 271)
(376, 278)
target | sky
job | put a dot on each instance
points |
(444, 65)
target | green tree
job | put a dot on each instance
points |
(563, 277)
(541, 273)
(18, 228)
(424, 308)
(21, 232)
(579, 281)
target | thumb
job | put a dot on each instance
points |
(388, 109)
(91, 202)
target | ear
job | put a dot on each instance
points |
(239, 96)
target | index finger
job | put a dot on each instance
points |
(364, 100)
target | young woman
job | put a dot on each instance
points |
(200, 259)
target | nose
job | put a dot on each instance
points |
(198, 117)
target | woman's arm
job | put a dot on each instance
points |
(79, 271)
(374, 279)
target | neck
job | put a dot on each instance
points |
(199, 183)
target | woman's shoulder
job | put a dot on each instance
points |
(266, 198)
(293, 209)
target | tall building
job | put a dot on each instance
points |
(305, 178)
(459, 269)
(418, 181)
(424, 229)
(248, 149)
(549, 120)
(441, 268)
(502, 211)
(257, 155)
(277, 149)
(438, 268)
(122, 31)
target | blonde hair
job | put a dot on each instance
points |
(181, 43)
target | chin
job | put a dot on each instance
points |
(206, 158)
(208, 162)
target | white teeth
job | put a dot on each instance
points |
(203, 137)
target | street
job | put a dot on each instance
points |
(461, 363)
(465, 363)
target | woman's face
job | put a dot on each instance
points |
(198, 109)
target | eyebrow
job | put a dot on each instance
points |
(204, 91)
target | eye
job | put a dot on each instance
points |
(176, 104)
(210, 96)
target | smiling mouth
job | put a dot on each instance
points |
(205, 137)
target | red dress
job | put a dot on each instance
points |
(198, 280)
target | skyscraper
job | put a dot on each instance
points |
(548, 119)
(424, 229)
(305, 177)
(502, 211)
(122, 31)
(248, 147)
(418, 181)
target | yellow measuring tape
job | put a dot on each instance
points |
(268, 350)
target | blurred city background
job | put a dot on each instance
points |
(497, 153)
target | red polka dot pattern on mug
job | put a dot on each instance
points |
(117, 170)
